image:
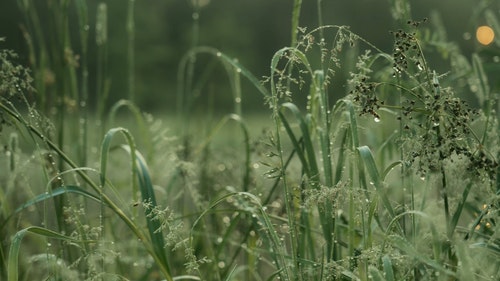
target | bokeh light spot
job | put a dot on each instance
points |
(485, 35)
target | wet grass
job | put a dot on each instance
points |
(396, 180)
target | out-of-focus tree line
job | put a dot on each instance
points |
(250, 30)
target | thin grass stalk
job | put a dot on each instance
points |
(265, 202)
(297, 5)
(82, 13)
(35, 39)
(278, 251)
(188, 70)
(282, 175)
(131, 50)
(102, 75)
(237, 91)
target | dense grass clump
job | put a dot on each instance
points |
(395, 178)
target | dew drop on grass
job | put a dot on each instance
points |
(376, 119)
(435, 124)
(237, 100)
(238, 70)
(219, 54)
(419, 66)
(221, 264)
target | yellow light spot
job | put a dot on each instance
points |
(485, 35)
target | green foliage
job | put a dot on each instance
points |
(398, 179)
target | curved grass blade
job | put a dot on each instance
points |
(13, 260)
(54, 193)
(278, 251)
(375, 274)
(139, 119)
(139, 171)
(57, 192)
(148, 196)
(436, 244)
(226, 59)
(246, 140)
(492, 248)
(408, 248)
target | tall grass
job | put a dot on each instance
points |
(398, 179)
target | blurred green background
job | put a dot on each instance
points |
(250, 30)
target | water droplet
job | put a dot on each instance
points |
(376, 119)
(435, 124)
(237, 100)
(221, 167)
(238, 70)
(219, 54)
(419, 66)
(196, 16)
(221, 264)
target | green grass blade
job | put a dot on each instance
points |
(312, 165)
(226, 59)
(295, 142)
(388, 270)
(139, 119)
(389, 169)
(492, 248)
(251, 203)
(57, 192)
(139, 171)
(15, 246)
(458, 212)
(375, 274)
(148, 196)
(367, 157)
(405, 246)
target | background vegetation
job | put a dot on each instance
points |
(248, 30)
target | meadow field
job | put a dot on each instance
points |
(344, 161)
